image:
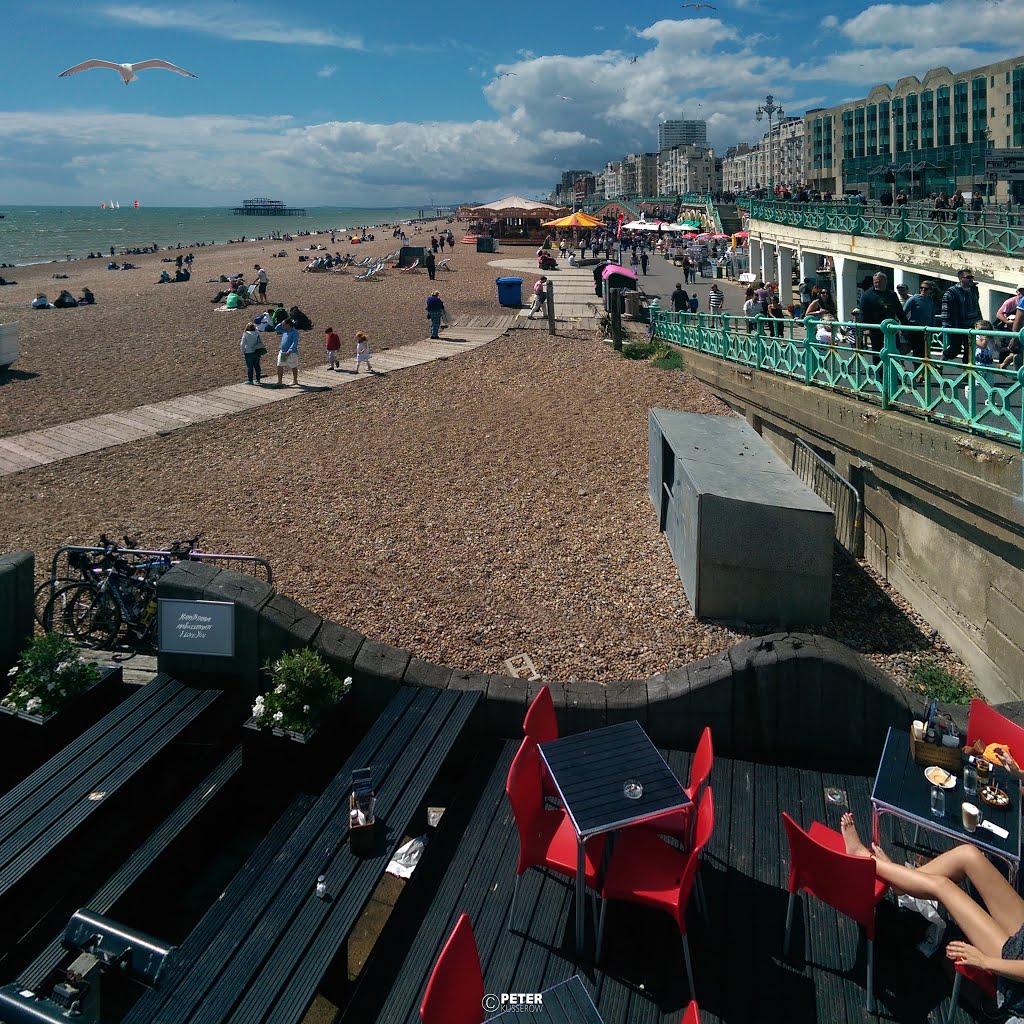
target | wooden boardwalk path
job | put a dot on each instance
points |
(740, 972)
(54, 444)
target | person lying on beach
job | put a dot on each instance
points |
(3, 281)
(994, 933)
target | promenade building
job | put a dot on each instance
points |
(682, 133)
(638, 175)
(923, 135)
(688, 168)
(750, 167)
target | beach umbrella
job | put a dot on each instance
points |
(741, 234)
(574, 220)
(704, 234)
(726, 237)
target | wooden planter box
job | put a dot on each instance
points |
(29, 739)
(299, 760)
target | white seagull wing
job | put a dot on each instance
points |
(87, 65)
(155, 63)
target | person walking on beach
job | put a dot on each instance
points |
(644, 260)
(435, 310)
(261, 282)
(252, 347)
(363, 351)
(430, 263)
(288, 355)
(540, 296)
(333, 343)
(451, 240)
(433, 244)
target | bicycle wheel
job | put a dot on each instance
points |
(44, 594)
(92, 615)
(53, 617)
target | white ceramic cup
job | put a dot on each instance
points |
(971, 816)
(917, 728)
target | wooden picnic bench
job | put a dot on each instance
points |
(262, 957)
(80, 784)
(37, 975)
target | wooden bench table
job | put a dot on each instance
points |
(263, 958)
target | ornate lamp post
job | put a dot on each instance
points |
(770, 109)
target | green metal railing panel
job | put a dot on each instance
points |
(990, 230)
(839, 357)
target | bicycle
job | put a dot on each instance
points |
(95, 613)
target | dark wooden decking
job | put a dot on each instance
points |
(741, 975)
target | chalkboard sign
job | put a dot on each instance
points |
(197, 627)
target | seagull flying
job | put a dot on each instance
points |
(509, 74)
(633, 61)
(126, 71)
(561, 97)
(697, 7)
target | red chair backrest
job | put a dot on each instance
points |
(701, 834)
(455, 992)
(540, 723)
(692, 1015)
(838, 879)
(526, 795)
(986, 724)
(985, 980)
(703, 759)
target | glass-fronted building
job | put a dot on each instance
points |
(922, 135)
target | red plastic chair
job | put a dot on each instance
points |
(546, 837)
(455, 992)
(680, 823)
(645, 869)
(986, 724)
(541, 725)
(820, 865)
(985, 980)
(692, 1015)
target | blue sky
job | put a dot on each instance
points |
(397, 103)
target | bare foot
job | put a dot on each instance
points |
(880, 854)
(854, 846)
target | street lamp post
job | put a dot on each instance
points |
(770, 109)
(989, 179)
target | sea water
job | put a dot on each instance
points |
(39, 234)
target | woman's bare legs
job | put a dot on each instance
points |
(939, 880)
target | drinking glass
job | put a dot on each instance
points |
(938, 801)
(970, 779)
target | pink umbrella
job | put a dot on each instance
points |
(726, 237)
(741, 234)
(705, 234)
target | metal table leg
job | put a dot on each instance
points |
(581, 894)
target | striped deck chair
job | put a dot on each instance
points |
(444, 264)
(414, 266)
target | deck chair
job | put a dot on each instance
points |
(444, 264)
(250, 293)
(414, 266)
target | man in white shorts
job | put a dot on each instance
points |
(289, 352)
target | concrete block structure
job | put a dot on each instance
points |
(751, 541)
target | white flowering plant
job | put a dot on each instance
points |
(49, 673)
(302, 689)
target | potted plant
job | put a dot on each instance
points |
(302, 706)
(53, 695)
(303, 692)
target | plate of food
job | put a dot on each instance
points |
(993, 796)
(940, 777)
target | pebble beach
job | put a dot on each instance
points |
(470, 509)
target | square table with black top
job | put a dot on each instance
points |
(591, 770)
(568, 1002)
(901, 790)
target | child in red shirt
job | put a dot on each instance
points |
(333, 348)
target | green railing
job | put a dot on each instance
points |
(998, 231)
(840, 357)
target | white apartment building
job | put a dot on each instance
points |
(688, 168)
(781, 162)
(611, 179)
(638, 175)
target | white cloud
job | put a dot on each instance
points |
(939, 24)
(830, 21)
(327, 70)
(227, 22)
